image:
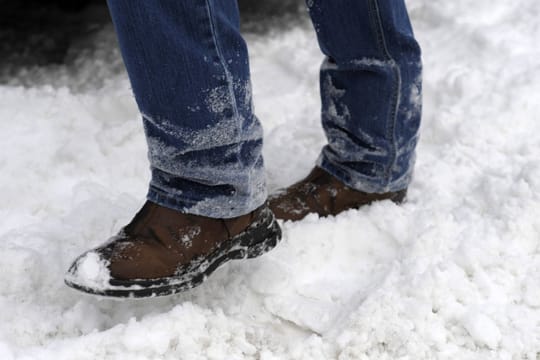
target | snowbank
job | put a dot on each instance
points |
(452, 274)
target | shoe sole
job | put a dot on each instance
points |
(260, 237)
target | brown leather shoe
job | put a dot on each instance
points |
(163, 251)
(323, 194)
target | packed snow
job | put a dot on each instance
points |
(454, 273)
(92, 271)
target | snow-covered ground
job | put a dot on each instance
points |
(452, 274)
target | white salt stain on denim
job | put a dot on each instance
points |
(373, 62)
(228, 125)
(415, 99)
(219, 99)
(357, 63)
(343, 145)
(165, 155)
(246, 177)
(337, 111)
(224, 132)
(164, 125)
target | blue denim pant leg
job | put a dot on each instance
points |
(188, 66)
(371, 92)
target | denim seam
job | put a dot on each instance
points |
(396, 94)
(228, 76)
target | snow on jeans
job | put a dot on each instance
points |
(188, 66)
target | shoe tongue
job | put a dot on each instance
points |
(319, 176)
(140, 218)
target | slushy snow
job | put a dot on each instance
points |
(454, 273)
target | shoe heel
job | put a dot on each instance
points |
(262, 238)
(266, 245)
(399, 197)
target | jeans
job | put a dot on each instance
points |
(189, 70)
